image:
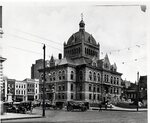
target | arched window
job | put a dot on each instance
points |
(114, 80)
(117, 81)
(81, 75)
(72, 75)
(94, 64)
(90, 75)
(94, 76)
(63, 74)
(111, 80)
(90, 52)
(54, 75)
(105, 79)
(59, 74)
(85, 51)
(98, 77)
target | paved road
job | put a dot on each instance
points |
(86, 117)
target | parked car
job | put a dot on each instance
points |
(73, 105)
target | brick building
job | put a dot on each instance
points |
(34, 68)
(81, 74)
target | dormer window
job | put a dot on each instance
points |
(106, 65)
(94, 64)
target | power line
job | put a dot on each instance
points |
(16, 36)
(30, 51)
(37, 36)
(119, 50)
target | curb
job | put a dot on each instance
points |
(125, 110)
(15, 118)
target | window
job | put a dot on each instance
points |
(111, 80)
(106, 65)
(94, 76)
(54, 76)
(117, 91)
(98, 77)
(71, 87)
(114, 80)
(94, 64)
(24, 86)
(80, 96)
(81, 75)
(105, 77)
(63, 96)
(63, 87)
(85, 51)
(59, 75)
(94, 96)
(80, 87)
(59, 87)
(72, 75)
(59, 96)
(98, 90)
(98, 97)
(63, 74)
(90, 75)
(90, 96)
(71, 96)
(90, 87)
(24, 92)
(94, 88)
(117, 81)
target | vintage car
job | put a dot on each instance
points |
(55, 105)
(18, 107)
(77, 105)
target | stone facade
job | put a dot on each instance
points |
(81, 74)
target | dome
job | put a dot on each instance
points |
(81, 36)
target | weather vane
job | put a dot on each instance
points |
(81, 16)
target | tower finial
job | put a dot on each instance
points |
(81, 16)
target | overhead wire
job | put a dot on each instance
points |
(16, 36)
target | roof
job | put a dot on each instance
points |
(81, 36)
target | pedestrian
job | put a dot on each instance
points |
(105, 106)
(100, 106)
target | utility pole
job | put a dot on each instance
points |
(137, 91)
(44, 82)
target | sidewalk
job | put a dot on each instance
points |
(115, 108)
(12, 116)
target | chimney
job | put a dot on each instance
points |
(59, 56)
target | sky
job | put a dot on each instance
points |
(120, 30)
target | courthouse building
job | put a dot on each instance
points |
(81, 74)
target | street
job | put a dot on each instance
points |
(91, 116)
